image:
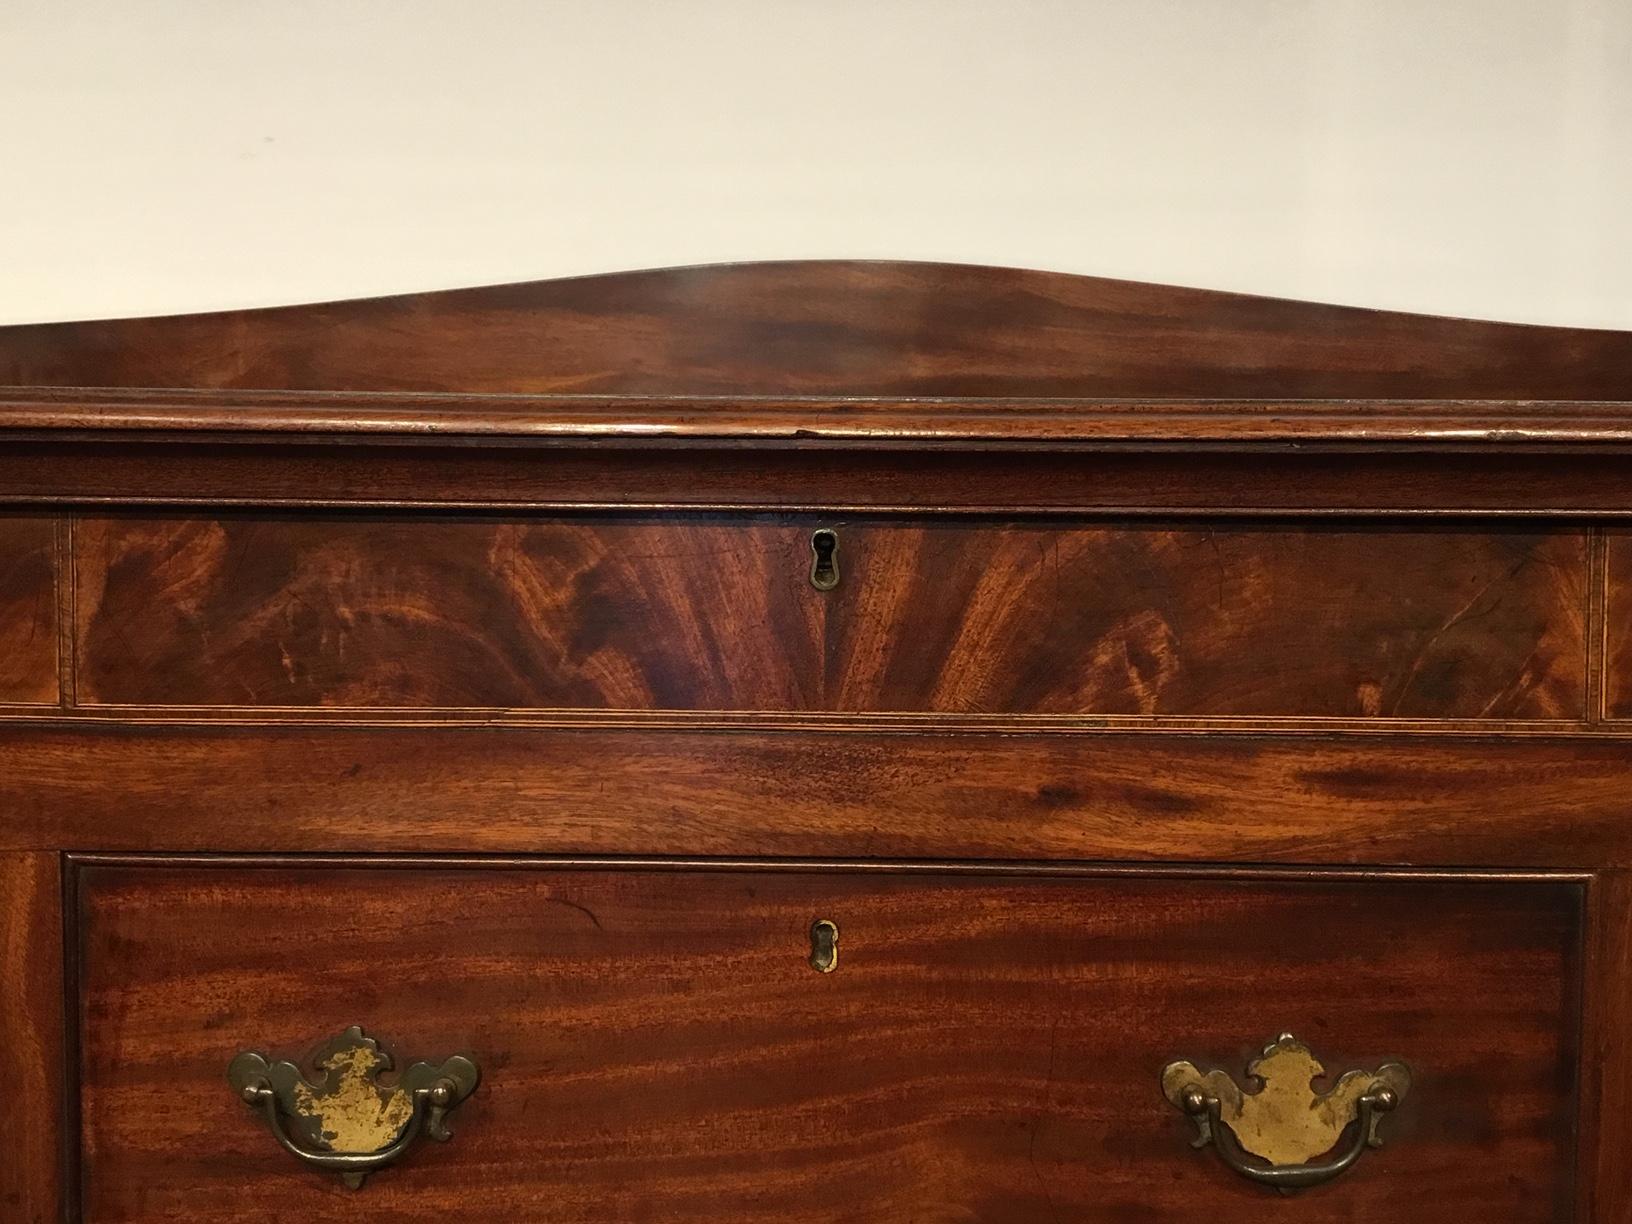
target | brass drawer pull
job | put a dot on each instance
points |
(349, 1123)
(1271, 1135)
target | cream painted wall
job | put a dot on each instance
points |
(1459, 156)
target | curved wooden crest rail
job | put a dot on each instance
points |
(1177, 597)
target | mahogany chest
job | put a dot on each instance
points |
(815, 743)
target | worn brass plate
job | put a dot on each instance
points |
(345, 1120)
(1286, 1121)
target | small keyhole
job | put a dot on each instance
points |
(824, 565)
(824, 946)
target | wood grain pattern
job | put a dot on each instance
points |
(1618, 625)
(833, 328)
(32, 1032)
(657, 1047)
(28, 610)
(937, 616)
(1605, 1189)
(1254, 621)
(354, 612)
(1423, 800)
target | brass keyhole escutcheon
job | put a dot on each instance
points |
(824, 565)
(824, 946)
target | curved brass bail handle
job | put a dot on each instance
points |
(1272, 1135)
(1290, 1177)
(430, 1107)
(352, 1125)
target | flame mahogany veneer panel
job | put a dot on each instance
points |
(1211, 620)
(659, 614)
(717, 613)
(28, 611)
(655, 1045)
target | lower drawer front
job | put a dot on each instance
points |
(657, 1045)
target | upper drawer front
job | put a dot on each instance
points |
(656, 1045)
(720, 614)
(28, 611)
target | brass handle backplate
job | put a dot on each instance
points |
(1274, 1135)
(347, 1122)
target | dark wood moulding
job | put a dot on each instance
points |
(822, 384)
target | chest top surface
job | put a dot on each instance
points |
(859, 351)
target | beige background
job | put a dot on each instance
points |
(1460, 156)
